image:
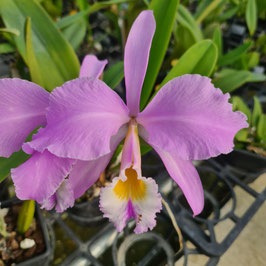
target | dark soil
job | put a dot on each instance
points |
(10, 251)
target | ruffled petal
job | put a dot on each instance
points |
(186, 176)
(85, 173)
(22, 107)
(40, 176)
(49, 203)
(137, 57)
(191, 119)
(142, 207)
(61, 200)
(92, 67)
(64, 197)
(83, 120)
(146, 209)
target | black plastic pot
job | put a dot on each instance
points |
(87, 213)
(200, 230)
(245, 164)
(45, 257)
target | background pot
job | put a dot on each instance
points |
(45, 257)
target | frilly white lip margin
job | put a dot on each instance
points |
(120, 210)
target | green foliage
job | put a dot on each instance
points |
(251, 16)
(53, 7)
(185, 18)
(13, 161)
(54, 55)
(34, 69)
(12, 31)
(25, 217)
(114, 74)
(205, 8)
(164, 13)
(75, 33)
(261, 128)
(255, 135)
(68, 20)
(257, 111)
(230, 79)
(199, 59)
(234, 54)
(6, 48)
(230, 12)
(238, 104)
(218, 40)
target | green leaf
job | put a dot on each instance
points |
(242, 135)
(234, 54)
(53, 10)
(30, 55)
(16, 159)
(251, 16)
(205, 8)
(184, 39)
(185, 18)
(68, 20)
(218, 40)
(6, 48)
(256, 77)
(238, 104)
(261, 129)
(71, 19)
(75, 33)
(253, 59)
(257, 111)
(56, 58)
(230, 79)
(199, 59)
(82, 4)
(146, 2)
(164, 13)
(25, 216)
(12, 31)
(114, 74)
(228, 14)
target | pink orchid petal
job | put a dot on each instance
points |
(64, 197)
(131, 156)
(40, 176)
(49, 203)
(92, 67)
(61, 200)
(192, 119)
(83, 120)
(186, 176)
(119, 211)
(85, 173)
(22, 108)
(137, 57)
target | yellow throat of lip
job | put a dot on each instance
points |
(132, 188)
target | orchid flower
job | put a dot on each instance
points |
(187, 120)
(22, 107)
